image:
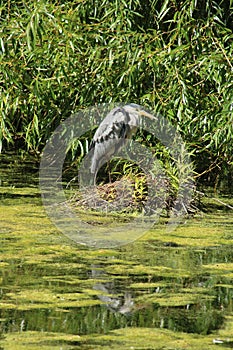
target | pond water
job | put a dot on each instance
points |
(163, 291)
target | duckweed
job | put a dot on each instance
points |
(167, 290)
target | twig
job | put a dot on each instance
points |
(221, 202)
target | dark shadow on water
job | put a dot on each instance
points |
(19, 171)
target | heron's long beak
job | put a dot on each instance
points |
(146, 114)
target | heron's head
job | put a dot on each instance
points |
(138, 110)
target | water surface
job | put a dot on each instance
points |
(164, 291)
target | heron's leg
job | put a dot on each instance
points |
(109, 172)
(95, 175)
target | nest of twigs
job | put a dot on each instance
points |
(126, 195)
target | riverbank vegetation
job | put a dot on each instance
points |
(173, 57)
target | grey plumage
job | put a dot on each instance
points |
(119, 124)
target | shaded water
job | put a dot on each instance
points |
(164, 291)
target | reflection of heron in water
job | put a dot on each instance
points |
(123, 304)
(111, 135)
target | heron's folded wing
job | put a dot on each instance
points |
(105, 132)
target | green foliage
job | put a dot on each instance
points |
(175, 57)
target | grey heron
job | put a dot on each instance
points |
(119, 125)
